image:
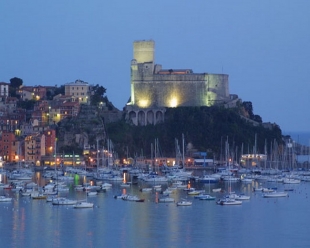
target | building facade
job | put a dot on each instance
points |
(35, 148)
(79, 89)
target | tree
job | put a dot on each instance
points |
(16, 82)
(59, 90)
(14, 85)
(249, 108)
(97, 97)
(257, 118)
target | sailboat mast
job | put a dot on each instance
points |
(183, 162)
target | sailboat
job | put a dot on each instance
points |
(227, 201)
(84, 204)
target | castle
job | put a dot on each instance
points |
(153, 89)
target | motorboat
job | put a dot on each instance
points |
(208, 179)
(157, 187)
(84, 204)
(203, 196)
(184, 203)
(217, 190)
(63, 201)
(120, 196)
(50, 198)
(38, 196)
(146, 189)
(275, 194)
(291, 181)
(165, 200)
(235, 196)
(228, 202)
(132, 198)
(195, 192)
(246, 180)
(92, 193)
(125, 185)
(268, 190)
(5, 199)
(258, 189)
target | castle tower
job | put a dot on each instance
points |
(143, 51)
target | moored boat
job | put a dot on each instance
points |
(275, 194)
(205, 197)
(165, 200)
(84, 204)
(228, 202)
(184, 203)
(216, 190)
(5, 199)
(63, 201)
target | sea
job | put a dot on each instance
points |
(258, 222)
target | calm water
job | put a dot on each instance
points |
(259, 222)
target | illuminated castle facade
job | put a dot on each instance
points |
(153, 89)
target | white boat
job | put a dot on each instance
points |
(50, 198)
(35, 195)
(63, 201)
(246, 180)
(203, 196)
(268, 190)
(275, 194)
(208, 179)
(238, 196)
(167, 191)
(5, 199)
(184, 203)
(195, 192)
(125, 185)
(116, 178)
(121, 196)
(92, 193)
(4, 185)
(228, 202)
(84, 205)
(106, 186)
(146, 190)
(132, 198)
(165, 200)
(258, 189)
(230, 179)
(157, 187)
(216, 190)
(291, 181)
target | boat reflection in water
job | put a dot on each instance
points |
(172, 222)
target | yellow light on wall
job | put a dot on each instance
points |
(143, 103)
(173, 102)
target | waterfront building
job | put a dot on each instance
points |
(8, 146)
(35, 148)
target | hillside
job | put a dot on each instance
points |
(205, 129)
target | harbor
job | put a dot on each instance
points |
(166, 213)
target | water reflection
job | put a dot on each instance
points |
(118, 223)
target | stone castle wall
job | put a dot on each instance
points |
(153, 88)
(180, 90)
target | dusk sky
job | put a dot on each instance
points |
(263, 45)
